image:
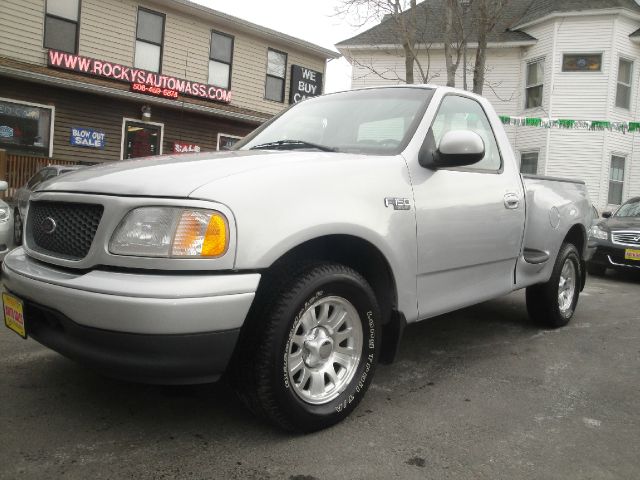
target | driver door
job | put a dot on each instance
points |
(469, 236)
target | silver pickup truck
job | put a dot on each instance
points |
(294, 262)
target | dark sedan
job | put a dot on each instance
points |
(616, 239)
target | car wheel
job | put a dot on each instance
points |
(595, 269)
(310, 351)
(552, 304)
(17, 228)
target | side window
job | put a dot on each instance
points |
(276, 75)
(149, 40)
(461, 113)
(220, 58)
(61, 25)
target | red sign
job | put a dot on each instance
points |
(157, 91)
(114, 71)
(179, 147)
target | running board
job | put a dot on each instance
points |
(535, 257)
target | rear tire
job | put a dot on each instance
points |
(553, 304)
(310, 348)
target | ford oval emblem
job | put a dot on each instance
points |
(48, 226)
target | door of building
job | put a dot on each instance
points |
(142, 139)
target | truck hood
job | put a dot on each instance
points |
(175, 175)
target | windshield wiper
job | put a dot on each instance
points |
(286, 144)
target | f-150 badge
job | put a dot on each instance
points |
(397, 203)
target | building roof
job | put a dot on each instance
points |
(541, 8)
(431, 17)
(221, 18)
(635, 34)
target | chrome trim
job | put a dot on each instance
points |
(621, 264)
(115, 208)
(619, 233)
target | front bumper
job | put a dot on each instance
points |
(160, 328)
(610, 255)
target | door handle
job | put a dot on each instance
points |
(511, 201)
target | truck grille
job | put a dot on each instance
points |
(626, 238)
(62, 229)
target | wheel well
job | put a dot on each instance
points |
(356, 253)
(577, 236)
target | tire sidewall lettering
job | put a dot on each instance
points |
(358, 385)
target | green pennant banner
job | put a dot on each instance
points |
(569, 124)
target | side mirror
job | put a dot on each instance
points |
(606, 214)
(4, 186)
(457, 148)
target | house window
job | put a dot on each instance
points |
(61, 25)
(582, 62)
(535, 81)
(529, 163)
(276, 73)
(616, 180)
(26, 128)
(149, 38)
(623, 93)
(220, 58)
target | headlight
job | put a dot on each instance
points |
(597, 232)
(5, 213)
(171, 232)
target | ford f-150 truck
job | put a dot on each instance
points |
(293, 262)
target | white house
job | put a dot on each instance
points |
(575, 60)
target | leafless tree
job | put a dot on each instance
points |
(489, 13)
(463, 20)
(404, 17)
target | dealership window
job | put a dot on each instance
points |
(616, 180)
(535, 84)
(582, 62)
(529, 163)
(149, 38)
(276, 73)
(623, 92)
(220, 59)
(61, 25)
(141, 139)
(26, 128)
(226, 141)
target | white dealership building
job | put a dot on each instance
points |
(572, 68)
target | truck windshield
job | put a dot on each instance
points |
(629, 209)
(379, 121)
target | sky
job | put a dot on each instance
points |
(314, 21)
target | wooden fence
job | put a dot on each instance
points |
(17, 169)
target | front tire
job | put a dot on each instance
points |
(311, 349)
(553, 304)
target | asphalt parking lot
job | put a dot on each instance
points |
(481, 393)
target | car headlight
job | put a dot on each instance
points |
(5, 213)
(597, 232)
(171, 232)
